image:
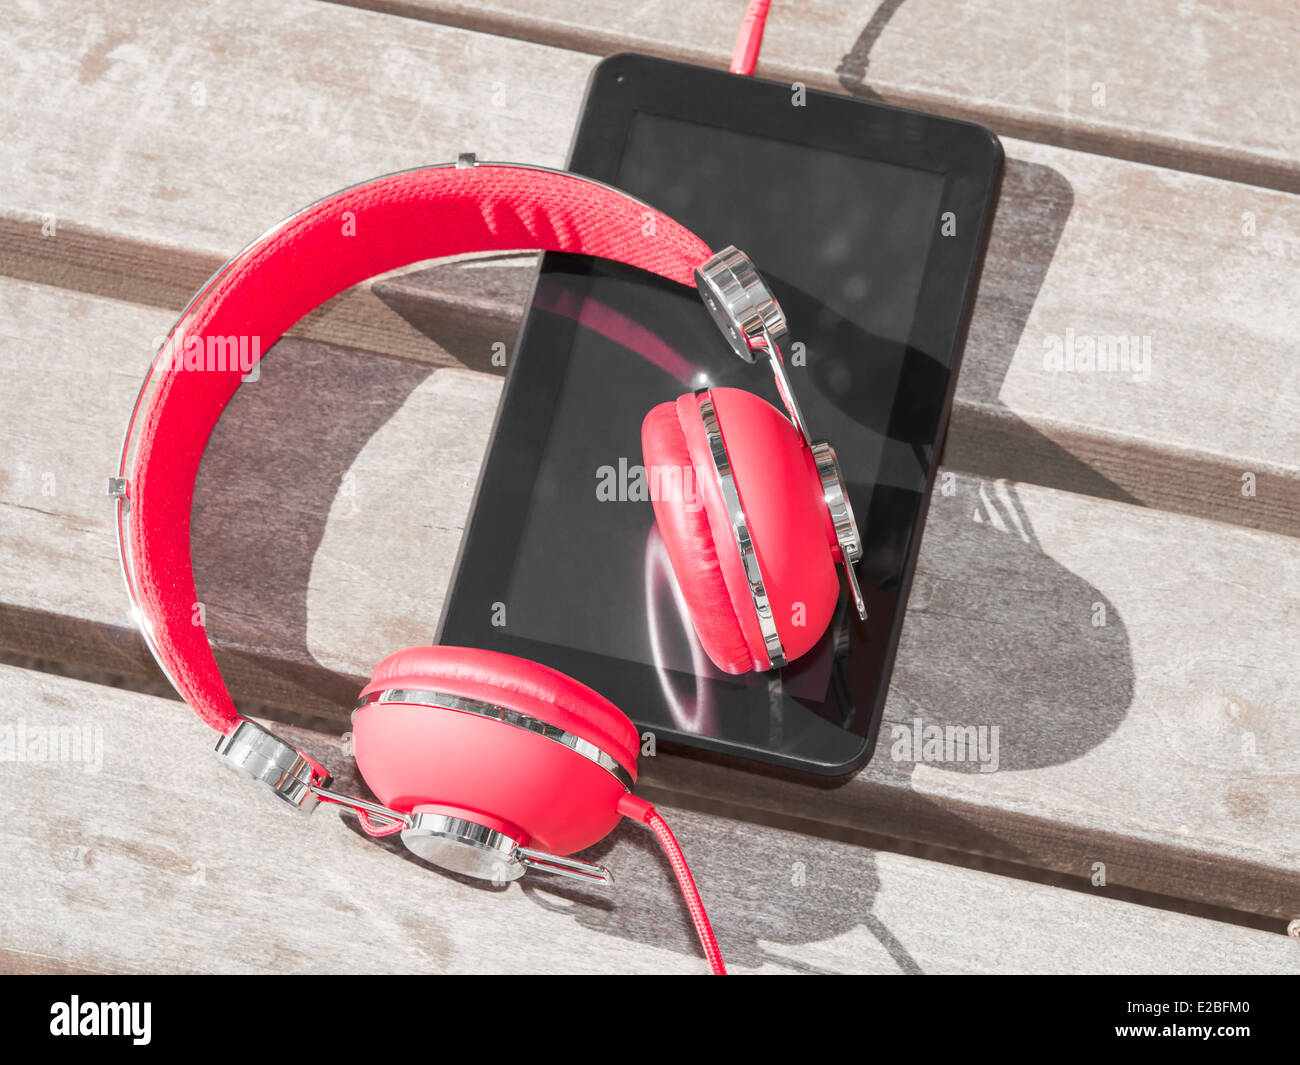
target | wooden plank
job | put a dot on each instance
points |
(136, 165)
(1084, 246)
(1199, 85)
(62, 442)
(145, 854)
(1162, 743)
(121, 267)
(1097, 254)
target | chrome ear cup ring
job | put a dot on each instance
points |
(507, 716)
(836, 495)
(740, 530)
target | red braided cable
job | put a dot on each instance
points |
(689, 891)
(749, 41)
(368, 823)
(377, 828)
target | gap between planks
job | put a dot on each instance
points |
(1198, 87)
(162, 860)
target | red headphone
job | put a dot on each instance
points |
(488, 764)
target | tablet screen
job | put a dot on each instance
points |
(563, 562)
(589, 569)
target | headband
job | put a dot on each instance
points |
(252, 301)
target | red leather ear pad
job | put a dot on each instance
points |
(537, 790)
(688, 537)
(776, 478)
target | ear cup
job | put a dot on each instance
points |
(519, 780)
(688, 538)
(777, 482)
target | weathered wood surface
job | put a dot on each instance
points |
(1201, 85)
(1162, 743)
(123, 141)
(144, 149)
(1087, 250)
(151, 180)
(133, 861)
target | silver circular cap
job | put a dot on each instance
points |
(740, 532)
(837, 501)
(515, 718)
(462, 846)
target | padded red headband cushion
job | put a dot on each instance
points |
(336, 243)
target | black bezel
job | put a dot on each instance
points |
(967, 156)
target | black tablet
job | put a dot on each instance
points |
(868, 223)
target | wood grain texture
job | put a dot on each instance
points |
(143, 151)
(82, 260)
(150, 179)
(127, 860)
(1198, 85)
(1161, 743)
(1102, 256)
(151, 143)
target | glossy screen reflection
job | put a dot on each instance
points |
(563, 534)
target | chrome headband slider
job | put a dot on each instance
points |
(259, 754)
(741, 303)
